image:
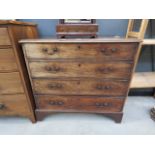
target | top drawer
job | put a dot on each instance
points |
(4, 37)
(115, 51)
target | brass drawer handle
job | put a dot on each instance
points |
(52, 69)
(114, 49)
(104, 70)
(105, 104)
(56, 103)
(100, 87)
(108, 52)
(55, 86)
(105, 51)
(2, 106)
(50, 52)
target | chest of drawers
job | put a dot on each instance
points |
(16, 97)
(80, 75)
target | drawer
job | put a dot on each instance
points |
(10, 83)
(7, 60)
(79, 103)
(13, 105)
(80, 87)
(76, 28)
(95, 51)
(121, 70)
(4, 37)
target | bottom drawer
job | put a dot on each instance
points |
(79, 103)
(14, 105)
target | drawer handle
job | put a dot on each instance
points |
(52, 69)
(104, 70)
(105, 51)
(100, 87)
(114, 49)
(2, 106)
(50, 52)
(56, 103)
(108, 52)
(106, 104)
(55, 86)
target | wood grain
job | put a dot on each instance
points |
(10, 83)
(7, 60)
(14, 105)
(4, 36)
(80, 87)
(13, 75)
(45, 69)
(96, 40)
(79, 103)
(113, 51)
(80, 75)
(77, 28)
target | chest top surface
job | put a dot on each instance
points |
(96, 40)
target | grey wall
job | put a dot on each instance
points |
(107, 27)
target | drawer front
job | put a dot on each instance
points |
(10, 83)
(7, 60)
(115, 51)
(14, 105)
(77, 28)
(80, 87)
(4, 37)
(79, 103)
(81, 69)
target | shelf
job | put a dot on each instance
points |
(143, 80)
(148, 42)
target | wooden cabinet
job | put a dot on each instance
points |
(80, 75)
(16, 97)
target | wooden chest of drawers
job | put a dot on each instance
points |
(80, 75)
(16, 97)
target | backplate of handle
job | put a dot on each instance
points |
(56, 103)
(104, 70)
(107, 52)
(55, 86)
(50, 51)
(105, 104)
(100, 87)
(52, 68)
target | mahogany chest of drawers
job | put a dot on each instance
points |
(80, 75)
(16, 97)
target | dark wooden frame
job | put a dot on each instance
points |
(61, 21)
(77, 30)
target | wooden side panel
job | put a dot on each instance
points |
(17, 33)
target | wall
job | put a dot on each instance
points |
(107, 27)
